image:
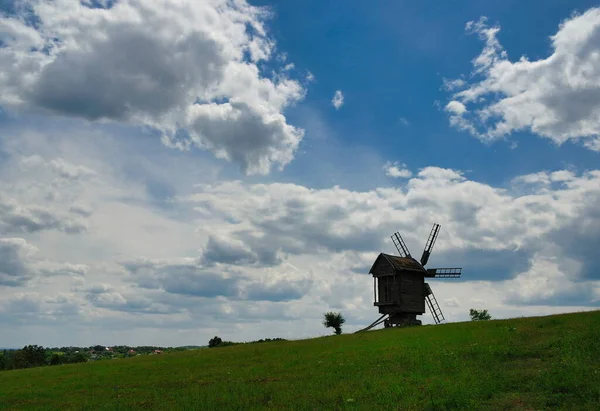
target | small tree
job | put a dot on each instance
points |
(56, 359)
(214, 342)
(479, 315)
(335, 321)
(78, 357)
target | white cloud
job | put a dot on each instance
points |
(191, 66)
(24, 201)
(535, 178)
(297, 220)
(592, 143)
(338, 100)
(548, 278)
(545, 178)
(450, 85)
(456, 107)
(397, 170)
(404, 121)
(556, 98)
(452, 302)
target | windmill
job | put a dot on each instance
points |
(399, 286)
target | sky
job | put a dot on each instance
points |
(171, 171)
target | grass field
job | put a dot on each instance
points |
(518, 364)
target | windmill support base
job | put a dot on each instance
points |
(402, 320)
(373, 324)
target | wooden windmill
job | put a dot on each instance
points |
(399, 286)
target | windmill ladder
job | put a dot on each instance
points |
(434, 307)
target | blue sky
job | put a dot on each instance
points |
(390, 61)
(185, 168)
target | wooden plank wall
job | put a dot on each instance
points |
(382, 267)
(412, 292)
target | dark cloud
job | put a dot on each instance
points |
(35, 309)
(221, 128)
(104, 296)
(191, 279)
(218, 250)
(81, 210)
(200, 284)
(121, 74)
(18, 264)
(281, 291)
(577, 297)
(304, 229)
(76, 270)
(483, 265)
(579, 238)
(15, 218)
(14, 270)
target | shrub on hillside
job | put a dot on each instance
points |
(218, 342)
(479, 315)
(335, 321)
(214, 342)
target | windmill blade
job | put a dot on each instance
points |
(400, 246)
(429, 244)
(444, 272)
(433, 305)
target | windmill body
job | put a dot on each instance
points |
(399, 287)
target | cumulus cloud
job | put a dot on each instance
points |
(19, 263)
(15, 218)
(338, 100)
(549, 280)
(456, 108)
(493, 231)
(14, 253)
(59, 166)
(68, 269)
(106, 296)
(41, 196)
(41, 309)
(396, 170)
(557, 98)
(189, 277)
(281, 252)
(189, 70)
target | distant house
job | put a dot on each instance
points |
(157, 352)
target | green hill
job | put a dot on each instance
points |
(518, 364)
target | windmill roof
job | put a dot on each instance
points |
(401, 263)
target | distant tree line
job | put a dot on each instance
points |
(216, 341)
(38, 356)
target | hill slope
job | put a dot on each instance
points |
(518, 364)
